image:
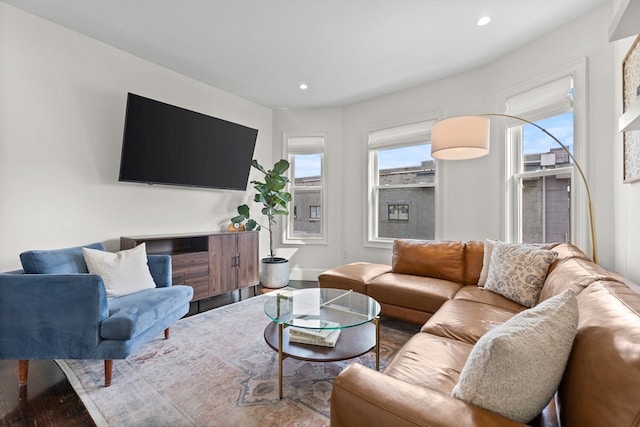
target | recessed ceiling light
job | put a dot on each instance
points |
(303, 86)
(482, 21)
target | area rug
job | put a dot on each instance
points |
(217, 370)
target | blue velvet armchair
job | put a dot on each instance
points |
(55, 309)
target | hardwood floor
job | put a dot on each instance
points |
(49, 399)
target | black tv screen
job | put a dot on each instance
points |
(165, 144)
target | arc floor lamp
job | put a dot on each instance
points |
(467, 137)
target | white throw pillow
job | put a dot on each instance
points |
(486, 261)
(123, 272)
(518, 272)
(515, 368)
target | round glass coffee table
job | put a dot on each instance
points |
(320, 313)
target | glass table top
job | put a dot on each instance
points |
(321, 308)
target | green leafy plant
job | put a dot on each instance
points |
(271, 193)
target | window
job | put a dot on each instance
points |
(398, 213)
(401, 183)
(306, 154)
(545, 182)
(314, 212)
(540, 172)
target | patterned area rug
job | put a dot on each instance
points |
(217, 370)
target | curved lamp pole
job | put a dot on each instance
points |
(467, 137)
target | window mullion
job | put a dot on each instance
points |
(544, 172)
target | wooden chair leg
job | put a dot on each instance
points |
(166, 334)
(23, 368)
(108, 370)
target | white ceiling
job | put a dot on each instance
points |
(345, 50)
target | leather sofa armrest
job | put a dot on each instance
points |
(160, 268)
(363, 397)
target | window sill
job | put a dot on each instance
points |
(380, 243)
(306, 241)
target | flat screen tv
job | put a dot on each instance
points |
(165, 144)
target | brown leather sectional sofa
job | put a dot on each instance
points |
(435, 283)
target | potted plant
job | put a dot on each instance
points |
(271, 193)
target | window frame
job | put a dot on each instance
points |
(511, 135)
(290, 151)
(417, 131)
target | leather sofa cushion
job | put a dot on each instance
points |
(363, 397)
(574, 274)
(485, 296)
(473, 261)
(568, 250)
(352, 276)
(132, 314)
(428, 258)
(409, 315)
(465, 320)
(430, 361)
(601, 385)
(419, 293)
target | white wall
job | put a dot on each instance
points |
(307, 261)
(471, 193)
(586, 37)
(444, 97)
(627, 196)
(62, 106)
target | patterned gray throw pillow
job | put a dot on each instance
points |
(515, 368)
(518, 272)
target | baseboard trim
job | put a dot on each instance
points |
(305, 273)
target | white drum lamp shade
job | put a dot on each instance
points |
(458, 138)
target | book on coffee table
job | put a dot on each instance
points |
(328, 341)
(313, 328)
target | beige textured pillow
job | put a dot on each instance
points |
(123, 272)
(518, 272)
(515, 368)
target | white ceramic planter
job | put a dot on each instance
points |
(274, 272)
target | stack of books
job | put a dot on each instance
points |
(316, 336)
